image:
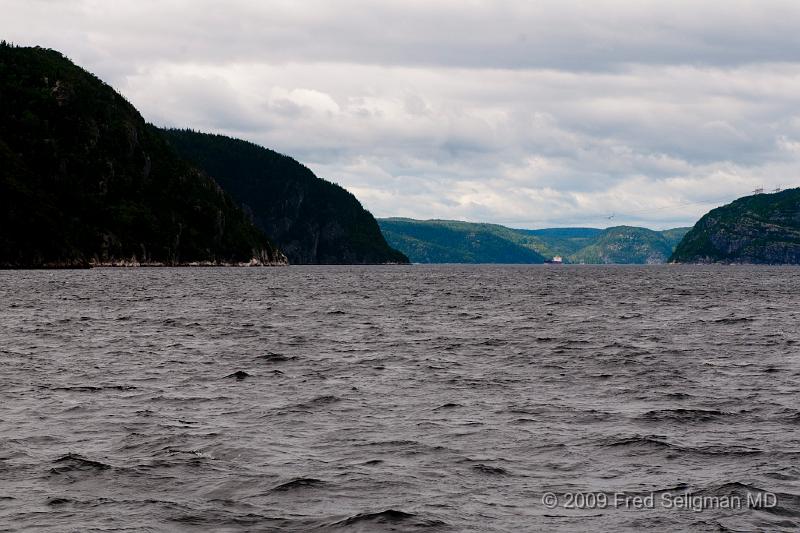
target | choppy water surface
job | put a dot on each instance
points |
(422, 398)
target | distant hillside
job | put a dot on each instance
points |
(447, 241)
(562, 241)
(629, 245)
(310, 219)
(764, 228)
(84, 180)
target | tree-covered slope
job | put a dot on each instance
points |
(563, 241)
(764, 228)
(628, 245)
(84, 180)
(312, 220)
(675, 235)
(448, 241)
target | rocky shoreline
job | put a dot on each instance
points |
(134, 263)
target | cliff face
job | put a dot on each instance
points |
(764, 228)
(85, 181)
(312, 220)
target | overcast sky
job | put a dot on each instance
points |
(530, 114)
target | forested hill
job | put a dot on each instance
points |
(629, 245)
(84, 180)
(310, 219)
(763, 228)
(449, 241)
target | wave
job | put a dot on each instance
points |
(487, 469)
(389, 517)
(733, 320)
(683, 415)
(313, 403)
(659, 442)
(299, 483)
(92, 388)
(273, 357)
(448, 406)
(77, 463)
(650, 441)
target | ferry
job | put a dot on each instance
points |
(556, 260)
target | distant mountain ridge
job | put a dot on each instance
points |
(312, 220)
(760, 229)
(448, 241)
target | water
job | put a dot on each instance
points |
(422, 398)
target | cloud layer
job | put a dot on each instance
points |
(530, 114)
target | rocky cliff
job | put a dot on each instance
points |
(313, 221)
(764, 228)
(85, 181)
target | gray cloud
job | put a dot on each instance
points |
(577, 35)
(526, 113)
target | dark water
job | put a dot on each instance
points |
(396, 398)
